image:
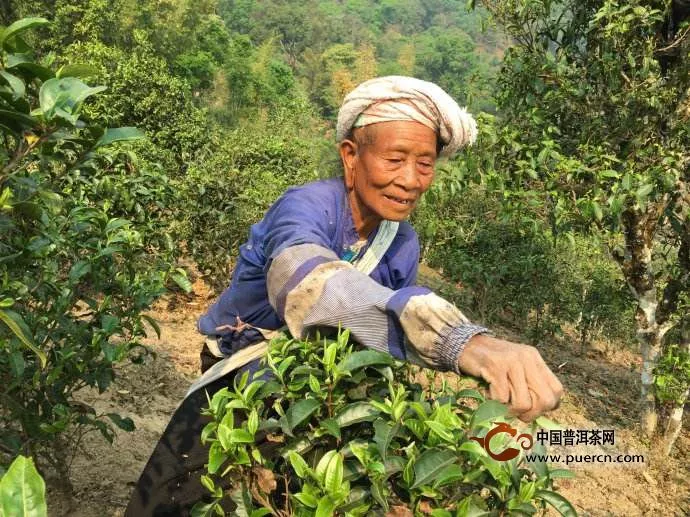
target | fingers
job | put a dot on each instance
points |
(499, 389)
(534, 411)
(520, 399)
(544, 388)
(518, 376)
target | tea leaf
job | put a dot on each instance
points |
(355, 413)
(548, 424)
(126, 424)
(322, 466)
(16, 324)
(441, 430)
(334, 474)
(365, 358)
(560, 503)
(470, 394)
(299, 465)
(562, 473)
(430, 464)
(469, 507)
(120, 134)
(298, 413)
(383, 435)
(488, 411)
(307, 500)
(216, 457)
(448, 475)
(331, 426)
(325, 508)
(243, 500)
(20, 26)
(224, 436)
(22, 490)
(314, 384)
(240, 436)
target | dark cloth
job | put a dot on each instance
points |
(170, 484)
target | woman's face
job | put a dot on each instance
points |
(388, 166)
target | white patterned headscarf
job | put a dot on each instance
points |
(406, 98)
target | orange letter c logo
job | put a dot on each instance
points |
(510, 452)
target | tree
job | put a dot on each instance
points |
(83, 253)
(595, 104)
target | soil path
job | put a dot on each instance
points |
(601, 392)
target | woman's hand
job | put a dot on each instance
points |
(516, 373)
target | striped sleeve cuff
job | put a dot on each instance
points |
(451, 345)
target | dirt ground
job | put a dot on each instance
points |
(602, 390)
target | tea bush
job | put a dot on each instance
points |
(327, 430)
(512, 270)
(231, 186)
(83, 253)
(143, 92)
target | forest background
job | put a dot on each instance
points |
(567, 222)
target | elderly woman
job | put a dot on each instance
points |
(339, 252)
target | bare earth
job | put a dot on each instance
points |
(602, 389)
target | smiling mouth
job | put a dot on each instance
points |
(400, 201)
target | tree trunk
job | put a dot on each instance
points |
(675, 419)
(675, 424)
(650, 337)
(636, 263)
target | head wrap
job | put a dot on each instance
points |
(406, 98)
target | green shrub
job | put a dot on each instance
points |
(672, 375)
(83, 254)
(143, 93)
(231, 188)
(513, 271)
(343, 432)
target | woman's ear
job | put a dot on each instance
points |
(348, 154)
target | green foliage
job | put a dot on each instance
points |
(142, 92)
(229, 190)
(84, 252)
(672, 375)
(512, 271)
(452, 59)
(332, 46)
(594, 128)
(22, 490)
(350, 432)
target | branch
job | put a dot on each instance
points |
(19, 154)
(680, 284)
(676, 42)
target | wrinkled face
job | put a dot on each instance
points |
(388, 166)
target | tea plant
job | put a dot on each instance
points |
(672, 375)
(327, 430)
(83, 253)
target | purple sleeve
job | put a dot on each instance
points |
(298, 217)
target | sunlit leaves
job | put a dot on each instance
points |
(80, 256)
(63, 98)
(393, 444)
(16, 28)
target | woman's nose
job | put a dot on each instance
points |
(409, 176)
